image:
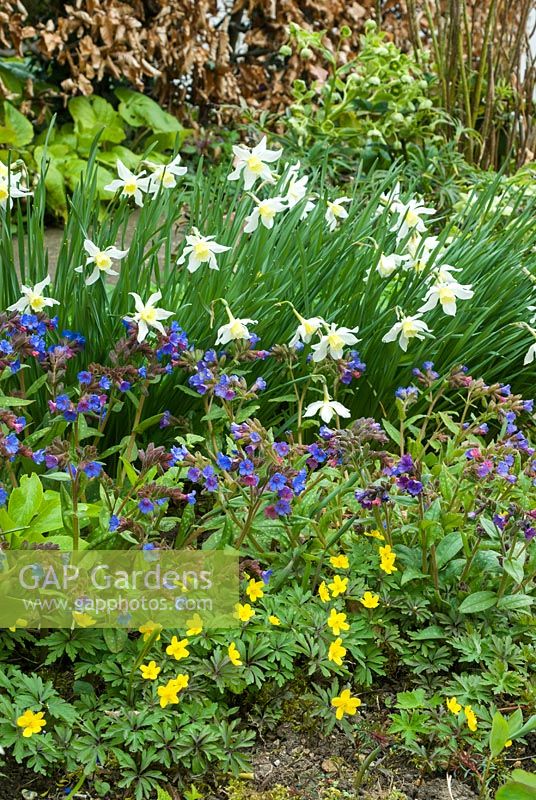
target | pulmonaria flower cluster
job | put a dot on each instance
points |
(210, 379)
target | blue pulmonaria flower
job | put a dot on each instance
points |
(5, 347)
(505, 390)
(484, 468)
(190, 497)
(124, 386)
(84, 377)
(178, 454)
(145, 505)
(224, 387)
(105, 382)
(500, 520)
(409, 485)
(62, 402)
(142, 372)
(281, 448)
(92, 469)
(114, 522)
(283, 508)
(407, 393)
(73, 336)
(3, 496)
(254, 339)
(528, 406)
(298, 482)
(165, 422)
(211, 483)
(317, 453)
(259, 385)
(223, 461)
(95, 403)
(266, 574)
(246, 467)
(70, 415)
(277, 481)
(51, 462)
(11, 444)
(38, 456)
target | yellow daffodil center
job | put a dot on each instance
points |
(412, 219)
(446, 295)
(335, 341)
(309, 327)
(409, 328)
(336, 209)
(36, 301)
(254, 164)
(103, 260)
(266, 211)
(4, 192)
(130, 187)
(201, 250)
(237, 330)
(148, 314)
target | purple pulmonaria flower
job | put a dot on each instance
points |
(51, 462)
(281, 448)
(92, 469)
(407, 393)
(3, 496)
(500, 521)
(191, 497)
(84, 377)
(114, 522)
(105, 383)
(165, 422)
(409, 485)
(224, 387)
(124, 386)
(286, 493)
(317, 453)
(19, 424)
(250, 480)
(277, 481)
(259, 385)
(484, 468)
(145, 505)
(62, 402)
(266, 574)
(528, 406)
(193, 474)
(211, 483)
(224, 462)
(506, 390)
(38, 456)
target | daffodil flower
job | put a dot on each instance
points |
(296, 189)
(388, 264)
(264, 212)
(446, 294)
(102, 259)
(407, 328)
(164, 175)
(333, 342)
(131, 185)
(410, 217)
(306, 329)
(148, 315)
(235, 329)
(326, 408)
(252, 163)
(32, 298)
(9, 187)
(199, 250)
(335, 211)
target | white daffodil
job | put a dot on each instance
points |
(234, 329)
(131, 185)
(336, 211)
(200, 249)
(165, 175)
(420, 250)
(148, 315)
(264, 212)
(296, 189)
(333, 342)
(388, 264)
(103, 260)
(326, 408)
(388, 199)
(405, 329)
(531, 354)
(306, 329)
(446, 294)
(10, 188)
(252, 163)
(32, 298)
(410, 217)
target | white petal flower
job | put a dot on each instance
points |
(32, 298)
(326, 408)
(410, 217)
(199, 250)
(333, 342)
(306, 329)
(407, 327)
(388, 264)
(148, 315)
(235, 329)
(10, 188)
(531, 354)
(336, 211)
(102, 259)
(264, 212)
(165, 175)
(446, 294)
(131, 185)
(252, 163)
